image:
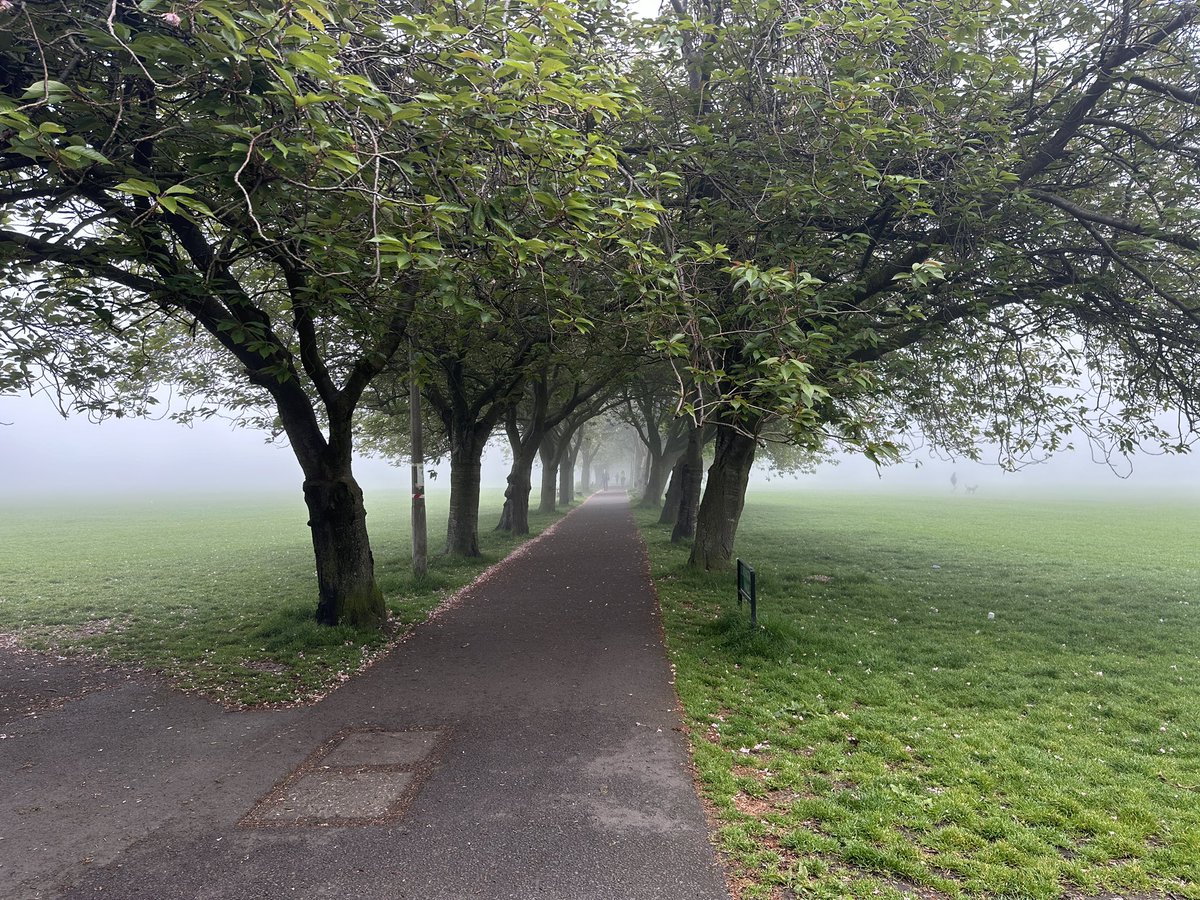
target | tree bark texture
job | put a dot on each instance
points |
(724, 497)
(636, 473)
(462, 525)
(566, 476)
(656, 478)
(585, 469)
(691, 476)
(548, 453)
(670, 510)
(346, 588)
(515, 517)
(347, 592)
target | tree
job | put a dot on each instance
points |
(567, 378)
(652, 410)
(474, 388)
(591, 439)
(117, 180)
(892, 215)
(560, 444)
(568, 454)
(285, 186)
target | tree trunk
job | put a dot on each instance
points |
(721, 507)
(656, 479)
(636, 483)
(670, 510)
(566, 476)
(505, 523)
(548, 452)
(347, 592)
(520, 499)
(515, 517)
(691, 475)
(585, 468)
(346, 588)
(462, 526)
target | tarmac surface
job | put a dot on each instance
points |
(524, 743)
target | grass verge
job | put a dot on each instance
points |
(948, 697)
(216, 592)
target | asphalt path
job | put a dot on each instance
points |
(524, 743)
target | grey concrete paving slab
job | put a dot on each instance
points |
(528, 736)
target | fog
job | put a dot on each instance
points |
(1070, 472)
(41, 453)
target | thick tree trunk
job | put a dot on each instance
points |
(721, 507)
(347, 592)
(515, 517)
(520, 500)
(462, 526)
(585, 468)
(346, 588)
(691, 476)
(505, 523)
(656, 479)
(670, 510)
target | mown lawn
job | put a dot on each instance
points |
(217, 592)
(949, 697)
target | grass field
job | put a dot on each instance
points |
(949, 697)
(216, 592)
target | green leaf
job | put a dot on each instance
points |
(46, 89)
(137, 187)
(311, 18)
(78, 152)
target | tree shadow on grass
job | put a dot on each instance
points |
(732, 635)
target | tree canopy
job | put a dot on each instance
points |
(974, 217)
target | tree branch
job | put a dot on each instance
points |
(1126, 225)
(1176, 93)
(1054, 147)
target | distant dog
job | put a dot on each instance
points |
(971, 488)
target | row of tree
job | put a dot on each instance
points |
(807, 221)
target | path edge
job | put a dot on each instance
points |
(712, 821)
(372, 659)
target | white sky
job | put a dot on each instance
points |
(41, 453)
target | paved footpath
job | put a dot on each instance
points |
(523, 744)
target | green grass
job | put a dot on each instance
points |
(880, 736)
(217, 592)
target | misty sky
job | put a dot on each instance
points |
(41, 453)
